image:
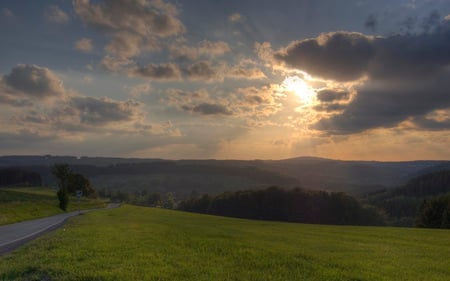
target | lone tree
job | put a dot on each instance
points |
(62, 173)
(69, 182)
(79, 182)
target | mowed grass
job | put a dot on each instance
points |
(137, 243)
(19, 204)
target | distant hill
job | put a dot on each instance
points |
(355, 177)
(215, 176)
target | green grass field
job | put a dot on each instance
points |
(19, 204)
(137, 243)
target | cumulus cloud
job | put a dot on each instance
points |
(84, 45)
(124, 45)
(209, 109)
(100, 111)
(113, 63)
(201, 70)
(204, 48)
(26, 82)
(55, 14)
(169, 71)
(250, 102)
(146, 18)
(239, 72)
(134, 25)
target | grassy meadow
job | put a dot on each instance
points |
(137, 243)
(19, 204)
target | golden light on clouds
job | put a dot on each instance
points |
(299, 87)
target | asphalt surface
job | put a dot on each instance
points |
(15, 235)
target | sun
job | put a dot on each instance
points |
(299, 87)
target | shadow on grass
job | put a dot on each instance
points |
(39, 274)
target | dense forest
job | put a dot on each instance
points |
(402, 204)
(295, 205)
(435, 212)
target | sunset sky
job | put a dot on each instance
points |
(225, 79)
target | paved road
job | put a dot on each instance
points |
(15, 235)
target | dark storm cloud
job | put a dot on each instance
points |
(167, 71)
(208, 109)
(331, 95)
(431, 21)
(342, 56)
(407, 76)
(385, 104)
(29, 81)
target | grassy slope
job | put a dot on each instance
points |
(136, 243)
(19, 204)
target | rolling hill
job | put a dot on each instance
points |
(214, 176)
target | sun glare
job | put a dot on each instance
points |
(299, 87)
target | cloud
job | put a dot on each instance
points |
(401, 78)
(135, 26)
(236, 17)
(431, 21)
(371, 23)
(100, 111)
(246, 103)
(26, 82)
(204, 48)
(201, 70)
(140, 89)
(239, 72)
(169, 71)
(209, 109)
(145, 18)
(84, 45)
(386, 104)
(342, 56)
(55, 14)
(124, 45)
(328, 95)
(113, 63)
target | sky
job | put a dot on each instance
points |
(225, 79)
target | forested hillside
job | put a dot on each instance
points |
(402, 204)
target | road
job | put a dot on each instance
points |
(14, 235)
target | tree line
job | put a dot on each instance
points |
(19, 177)
(295, 205)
